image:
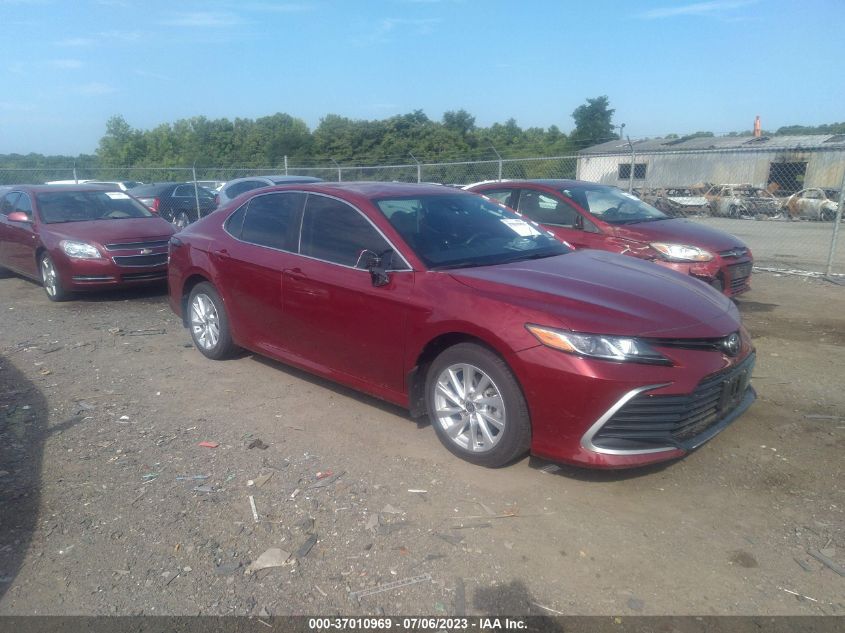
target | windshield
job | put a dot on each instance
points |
(456, 231)
(612, 205)
(81, 206)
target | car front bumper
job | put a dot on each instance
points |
(602, 414)
(99, 274)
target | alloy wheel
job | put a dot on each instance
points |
(205, 322)
(469, 407)
(49, 277)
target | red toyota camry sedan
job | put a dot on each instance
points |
(452, 305)
(591, 215)
(81, 237)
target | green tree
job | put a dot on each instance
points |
(121, 145)
(593, 122)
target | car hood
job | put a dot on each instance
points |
(110, 231)
(678, 231)
(605, 293)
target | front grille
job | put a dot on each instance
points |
(739, 274)
(130, 246)
(144, 276)
(137, 261)
(700, 344)
(648, 421)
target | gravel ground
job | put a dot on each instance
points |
(110, 504)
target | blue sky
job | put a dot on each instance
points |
(66, 67)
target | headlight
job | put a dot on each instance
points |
(598, 345)
(682, 252)
(79, 250)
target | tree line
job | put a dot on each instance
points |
(266, 141)
(402, 139)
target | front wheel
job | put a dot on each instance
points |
(50, 280)
(476, 406)
(181, 220)
(209, 323)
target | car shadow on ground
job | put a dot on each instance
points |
(535, 463)
(339, 389)
(513, 598)
(597, 475)
(23, 430)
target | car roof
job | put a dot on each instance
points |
(53, 188)
(153, 187)
(555, 183)
(283, 179)
(376, 190)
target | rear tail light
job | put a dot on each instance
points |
(152, 203)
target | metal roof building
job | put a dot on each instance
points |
(787, 163)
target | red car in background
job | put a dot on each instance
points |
(454, 306)
(81, 237)
(590, 215)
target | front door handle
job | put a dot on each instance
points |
(296, 274)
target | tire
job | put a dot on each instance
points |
(209, 323)
(491, 433)
(181, 220)
(733, 212)
(50, 280)
(827, 215)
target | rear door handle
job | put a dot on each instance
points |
(223, 253)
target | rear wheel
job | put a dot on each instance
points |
(209, 323)
(476, 406)
(50, 280)
(827, 215)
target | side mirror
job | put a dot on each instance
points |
(19, 216)
(378, 266)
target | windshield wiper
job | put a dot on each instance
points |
(527, 256)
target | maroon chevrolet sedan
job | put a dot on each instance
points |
(590, 215)
(454, 306)
(81, 237)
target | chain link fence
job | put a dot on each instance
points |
(784, 203)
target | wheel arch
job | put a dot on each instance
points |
(190, 283)
(431, 350)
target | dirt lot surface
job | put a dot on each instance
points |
(104, 404)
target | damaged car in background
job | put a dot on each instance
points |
(742, 201)
(592, 215)
(679, 202)
(812, 204)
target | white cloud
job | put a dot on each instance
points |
(203, 19)
(281, 7)
(95, 89)
(76, 42)
(151, 75)
(713, 8)
(12, 106)
(66, 64)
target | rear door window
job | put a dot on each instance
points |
(506, 196)
(272, 220)
(545, 209)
